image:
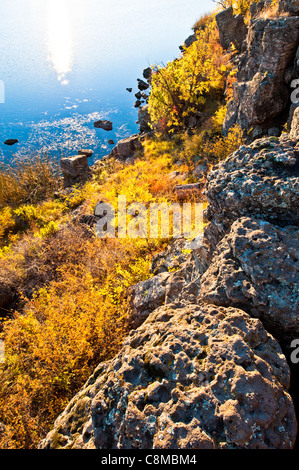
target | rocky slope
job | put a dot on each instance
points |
(204, 365)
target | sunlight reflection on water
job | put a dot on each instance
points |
(60, 39)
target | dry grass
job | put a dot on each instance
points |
(271, 12)
(28, 180)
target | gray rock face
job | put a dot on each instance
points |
(232, 29)
(144, 119)
(87, 152)
(170, 259)
(192, 377)
(255, 267)
(258, 7)
(177, 277)
(261, 94)
(289, 6)
(260, 180)
(146, 296)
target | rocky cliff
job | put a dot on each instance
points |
(205, 365)
(267, 65)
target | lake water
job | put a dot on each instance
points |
(67, 63)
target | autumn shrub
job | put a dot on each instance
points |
(74, 321)
(201, 147)
(242, 7)
(201, 22)
(181, 89)
(7, 222)
(35, 261)
(239, 6)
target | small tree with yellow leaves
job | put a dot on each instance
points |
(179, 90)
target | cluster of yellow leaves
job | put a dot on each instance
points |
(7, 221)
(41, 218)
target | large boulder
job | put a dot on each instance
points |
(177, 277)
(261, 93)
(260, 180)
(145, 297)
(171, 259)
(255, 267)
(193, 377)
(74, 169)
(126, 148)
(232, 29)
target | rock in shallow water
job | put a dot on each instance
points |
(193, 377)
(106, 125)
(11, 142)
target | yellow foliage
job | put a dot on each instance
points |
(180, 89)
(42, 218)
(218, 118)
(200, 148)
(7, 221)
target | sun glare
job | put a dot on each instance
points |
(59, 39)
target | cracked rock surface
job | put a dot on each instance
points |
(260, 180)
(256, 267)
